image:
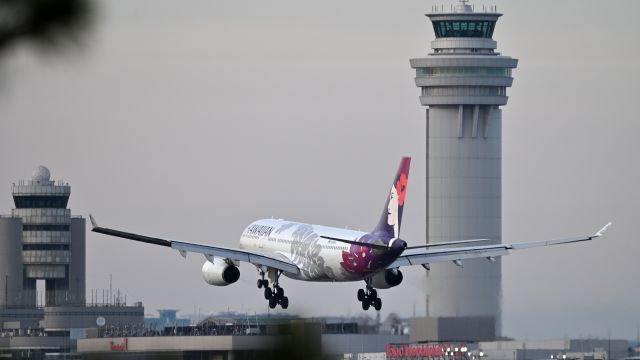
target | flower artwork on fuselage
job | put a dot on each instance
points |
(362, 259)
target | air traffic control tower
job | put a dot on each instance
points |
(41, 240)
(463, 83)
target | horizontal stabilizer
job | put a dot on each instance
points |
(358, 243)
(445, 243)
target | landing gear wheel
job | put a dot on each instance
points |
(369, 297)
(279, 292)
(373, 294)
(377, 304)
(274, 294)
(272, 303)
(262, 282)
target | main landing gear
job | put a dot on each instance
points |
(275, 295)
(369, 297)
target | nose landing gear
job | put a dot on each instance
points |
(369, 297)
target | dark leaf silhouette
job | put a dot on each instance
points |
(51, 25)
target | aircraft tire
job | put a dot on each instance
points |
(373, 294)
(284, 302)
(361, 295)
(377, 304)
(365, 305)
(272, 303)
(279, 292)
(268, 293)
(259, 283)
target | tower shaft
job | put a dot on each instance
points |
(463, 82)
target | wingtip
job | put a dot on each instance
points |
(604, 228)
(93, 221)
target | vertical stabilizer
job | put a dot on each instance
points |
(391, 217)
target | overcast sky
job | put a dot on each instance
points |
(190, 120)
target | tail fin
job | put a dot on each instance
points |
(391, 217)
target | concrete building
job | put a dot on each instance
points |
(463, 83)
(447, 329)
(41, 241)
(281, 339)
(567, 349)
(166, 317)
(10, 260)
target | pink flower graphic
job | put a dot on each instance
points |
(401, 188)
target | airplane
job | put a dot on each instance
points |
(309, 252)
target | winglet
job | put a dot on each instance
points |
(93, 221)
(601, 231)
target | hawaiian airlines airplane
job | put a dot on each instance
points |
(319, 253)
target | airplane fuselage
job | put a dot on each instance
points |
(319, 259)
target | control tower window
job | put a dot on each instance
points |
(41, 227)
(45, 247)
(462, 71)
(467, 28)
(31, 201)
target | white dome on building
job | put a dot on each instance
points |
(41, 174)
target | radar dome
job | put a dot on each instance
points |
(41, 174)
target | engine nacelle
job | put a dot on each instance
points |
(220, 273)
(386, 279)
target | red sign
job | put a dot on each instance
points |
(423, 350)
(118, 346)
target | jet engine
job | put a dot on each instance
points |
(386, 279)
(220, 272)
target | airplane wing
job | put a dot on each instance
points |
(426, 257)
(208, 251)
